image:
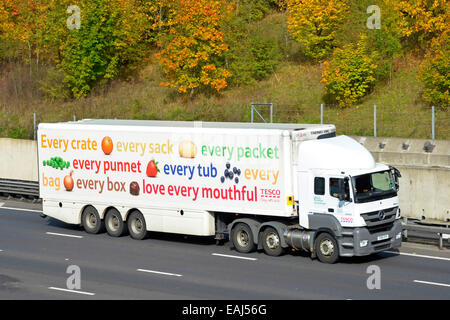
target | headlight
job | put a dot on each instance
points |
(363, 243)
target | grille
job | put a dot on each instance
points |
(372, 219)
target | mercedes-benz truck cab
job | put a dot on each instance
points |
(349, 195)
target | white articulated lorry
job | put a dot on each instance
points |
(263, 186)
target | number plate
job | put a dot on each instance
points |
(383, 237)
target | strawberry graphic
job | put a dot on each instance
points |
(152, 168)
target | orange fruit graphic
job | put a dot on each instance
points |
(107, 145)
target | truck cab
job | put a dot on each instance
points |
(344, 193)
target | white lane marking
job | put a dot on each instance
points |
(159, 272)
(21, 209)
(235, 257)
(1, 250)
(433, 283)
(1, 204)
(419, 255)
(64, 235)
(73, 291)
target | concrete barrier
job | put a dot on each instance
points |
(425, 168)
(424, 164)
(18, 159)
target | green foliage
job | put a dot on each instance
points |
(349, 75)
(434, 73)
(105, 47)
(11, 127)
(52, 85)
(386, 40)
(252, 58)
(255, 48)
(253, 10)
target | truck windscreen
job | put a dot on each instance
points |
(374, 186)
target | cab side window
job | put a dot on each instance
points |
(334, 188)
(319, 186)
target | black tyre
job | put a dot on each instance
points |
(114, 224)
(242, 238)
(91, 222)
(137, 226)
(271, 242)
(326, 247)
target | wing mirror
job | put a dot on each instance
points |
(396, 173)
(343, 196)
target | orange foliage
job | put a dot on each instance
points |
(191, 58)
(429, 17)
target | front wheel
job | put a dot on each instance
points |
(326, 248)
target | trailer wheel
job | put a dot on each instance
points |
(91, 221)
(137, 226)
(242, 238)
(114, 223)
(326, 248)
(272, 242)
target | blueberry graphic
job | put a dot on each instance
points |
(222, 179)
(230, 175)
(234, 170)
(236, 180)
(238, 172)
(228, 165)
(226, 173)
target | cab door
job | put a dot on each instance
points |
(342, 209)
(319, 195)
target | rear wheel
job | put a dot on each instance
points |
(326, 247)
(137, 226)
(242, 238)
(91, 221)
(272, 242)
(114, 223)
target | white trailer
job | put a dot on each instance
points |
(264, 186)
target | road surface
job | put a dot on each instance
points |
(35, 255)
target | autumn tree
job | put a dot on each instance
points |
(314, 23)
(158, 15)
(350, 74)
(423, 19)
(435, 70)
(23, 22)
(191, 54)
(8, 9)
